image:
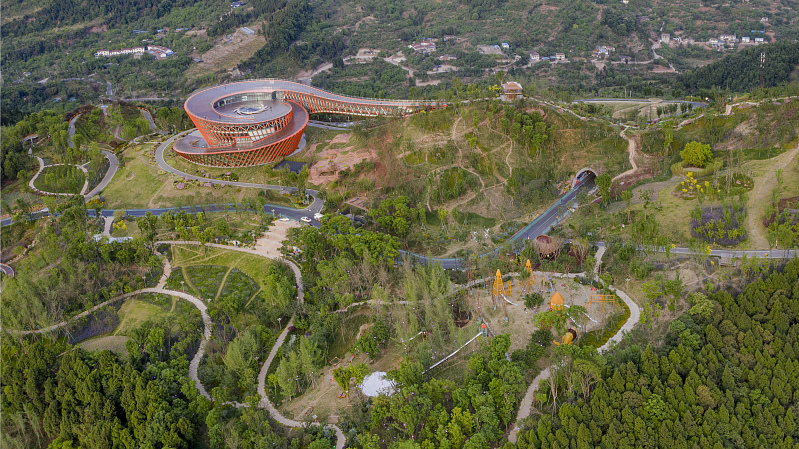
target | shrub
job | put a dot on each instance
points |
(533, 300)
(722, 225)
(696, 154)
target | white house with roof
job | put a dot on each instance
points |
(123, 51)
(423, 47)
(745, 39)
(534, 56)
(665, 38)
(727, 38)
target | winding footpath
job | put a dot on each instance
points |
(194, 364)
(526, 405)
(42, 167)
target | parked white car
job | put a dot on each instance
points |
(285, 219)
(305, 219)
(318, 216)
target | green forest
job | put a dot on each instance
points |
(725, 376)
(740, 72)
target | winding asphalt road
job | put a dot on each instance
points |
(556, 213)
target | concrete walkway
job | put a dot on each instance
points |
(113, 166)
(108, 222)
(194, 365)
(341, 439)
(42, 167)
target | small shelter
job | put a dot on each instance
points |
(556, 302)
(548, 247)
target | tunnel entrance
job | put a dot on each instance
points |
(585, 174)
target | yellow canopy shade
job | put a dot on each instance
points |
(556, 302)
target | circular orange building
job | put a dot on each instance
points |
(256, 122)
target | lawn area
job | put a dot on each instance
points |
(125, 228)
(135, 312)
(141, 184)
(136, 183)
(250, 264)
(61, 179)
(113, 343)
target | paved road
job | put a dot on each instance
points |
(8, 271)
(696, 104)
(149, 118)
(113, 166)
(540, 225)
(72, 130)
(315, 207)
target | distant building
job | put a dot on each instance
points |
(159, 52)
(247, 30)
(423, 47)
(713, 40)
(155, 50)
(745, 39)
(237, 4)
(763, 19)
(665, 38)
(448, 58)
(140, 31)
(605, 50)
(489, 49)
(676, 39)
(727, 38)
(534, 56)
(120, 52)
(759, 40)
(512, 90)
(560, 56)
(626, 2)
(505, 45)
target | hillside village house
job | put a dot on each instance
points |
(560, 56)
(423, 47)
(665, 38)
(745, 39)
(123, 51)
(534, 56)
(727, 38)
(604, 50)
(759, 39)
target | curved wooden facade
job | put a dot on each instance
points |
(240, 140)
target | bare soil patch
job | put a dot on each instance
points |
(229, 52)
(333, 160)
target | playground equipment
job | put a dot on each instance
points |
(601, 300)
(499, 288)
(508, 301)
(567, 339)
(455, 351)
(524, 286)
(420, 333)
(556, 302)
